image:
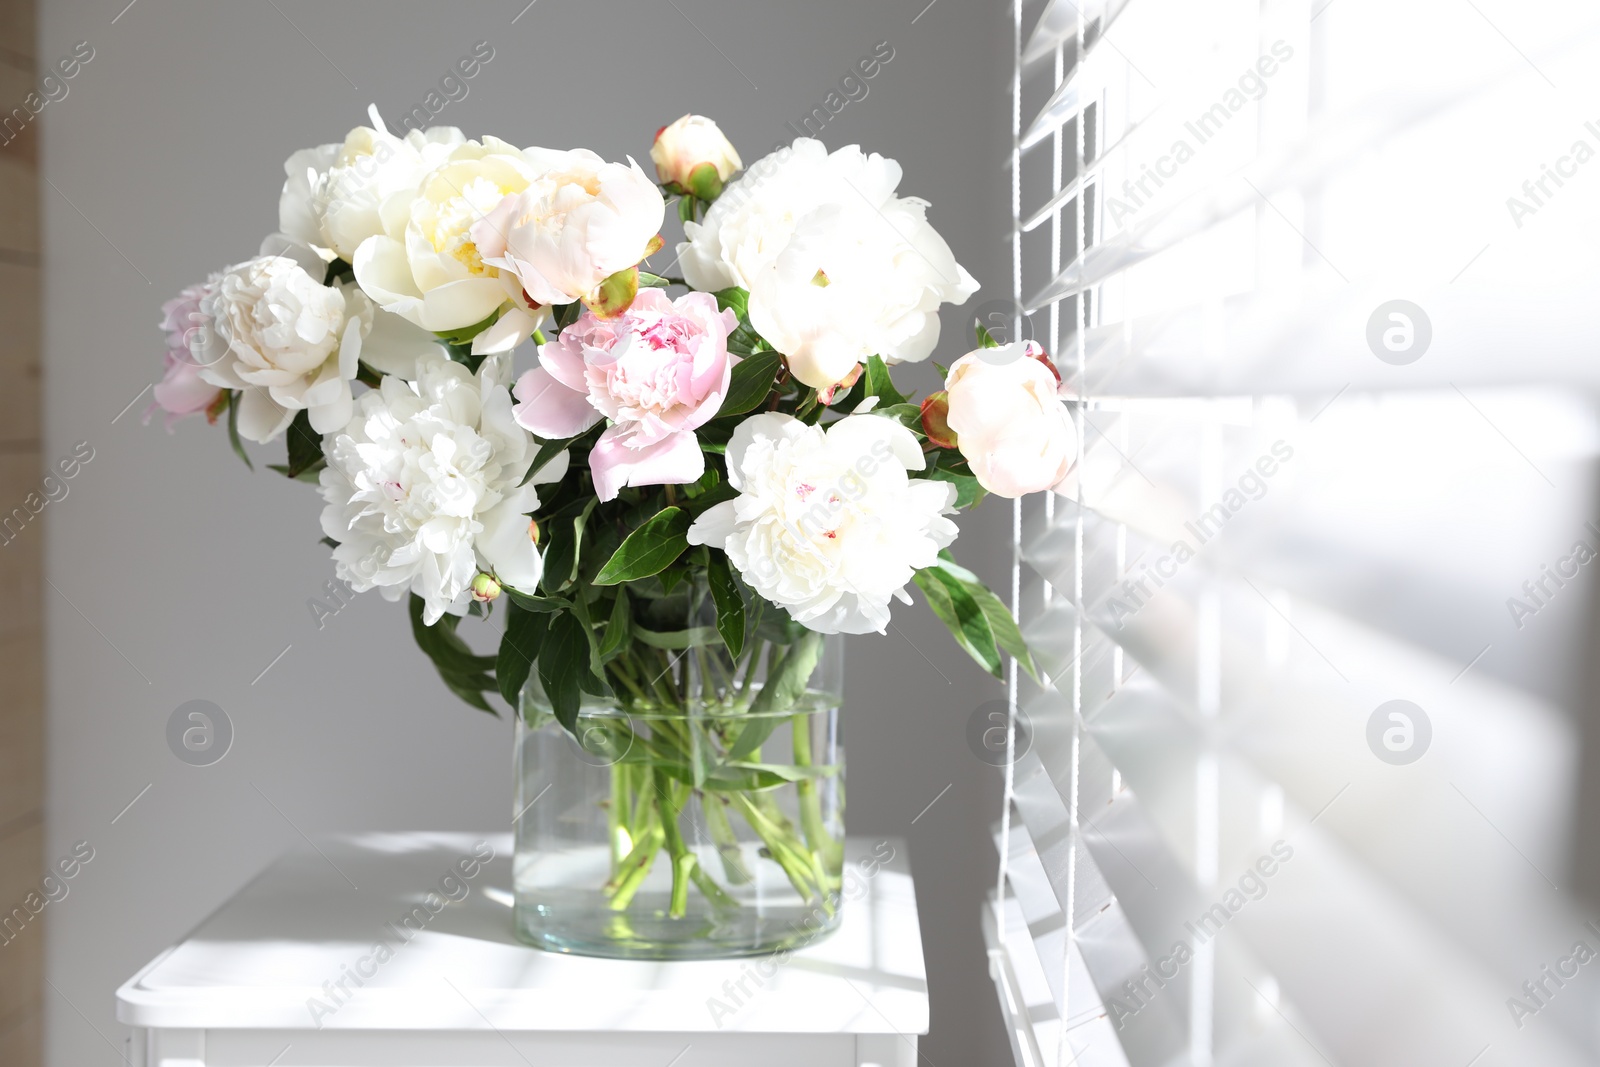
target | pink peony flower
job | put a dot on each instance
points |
(181, 390)
(658, 371)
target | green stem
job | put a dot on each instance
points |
(617, 817)
(683, 861)
(810, 861)
(752, 665)
(621, 673)
(635, 868)
(822, 843)
(713, 892)
(722, 835)
(665, 694)
(782, 843)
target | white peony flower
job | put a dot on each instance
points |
(283, 338)
(579, 222)
(270, 329)
(1005, 407)
(838, 267)
(425, 266)
(298, 215)
(827, 523)
(335, 195)
(422, 488)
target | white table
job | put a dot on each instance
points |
(246, 988)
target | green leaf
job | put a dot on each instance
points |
(950, 459)
(443, 645)
(233, 430)
(519, 650)
(787, 677)
(959, 611)
(530, 602)
(907, 415)
(880, 384)
(617, 628)
(579, 524)
(729, 601)
(746, 778)
(968, 491)
(735, 299)
(305, 446)
(673, 640)
(985, 338)
(776, 625)
(563, 659)
(594, 679)
(751, 383)
(311, 477)
(462, 337)
(672, 577)
(807, 409)
(745, 342)
(790, 772)
(567, 314)
(654, 281)
(594, 685)
(548, 450)
(1001, 622)
(471, 690)
(648, 550)
(706, 482)
(786, 682)
(710, 498)
(465, 672)
(338, 271)
(561, 557)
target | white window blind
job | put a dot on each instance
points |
(1322, 275)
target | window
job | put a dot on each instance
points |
(1305, 784)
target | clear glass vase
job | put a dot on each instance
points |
(696, 812)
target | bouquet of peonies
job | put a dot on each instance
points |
(738, 453)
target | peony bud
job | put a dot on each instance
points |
(936, 420)
(705, 183)
(689, 144)
(533, 530)
(1013, 428)
(485, 588)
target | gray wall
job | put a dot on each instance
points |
(176, 575)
